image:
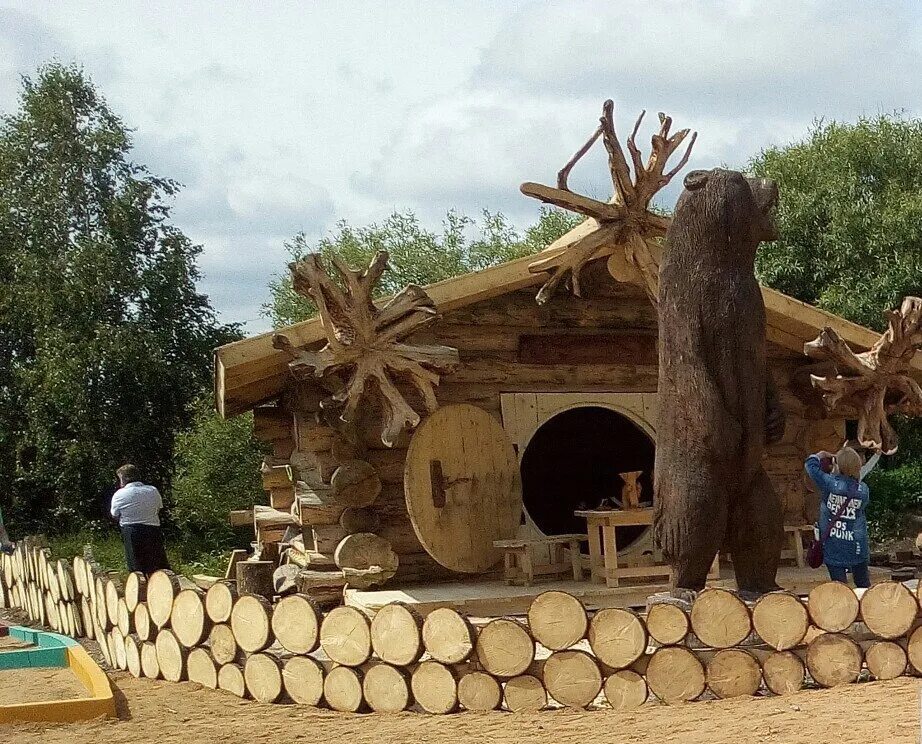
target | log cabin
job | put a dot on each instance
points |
(569, 388)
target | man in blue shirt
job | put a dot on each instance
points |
(843, 505)
(137, 507)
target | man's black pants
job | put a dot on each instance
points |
(144, 550)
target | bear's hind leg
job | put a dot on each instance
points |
(690, 529)
(755, 535)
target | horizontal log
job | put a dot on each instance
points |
(276, 476)
(521, 310)
(282, 498)
(271, 424)
(241, 517)
(588, 348)
(524, 377)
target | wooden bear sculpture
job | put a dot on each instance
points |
(717, 404)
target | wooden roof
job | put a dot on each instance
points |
(251, 371)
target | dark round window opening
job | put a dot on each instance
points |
(573, 462)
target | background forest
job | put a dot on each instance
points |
(106, 344)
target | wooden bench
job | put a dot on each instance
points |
(519, 557)
(794, 537)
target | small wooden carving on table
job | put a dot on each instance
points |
(364, 346)
(624, 224)
(630, 491)
(877, 382)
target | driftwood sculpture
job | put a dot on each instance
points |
(716, 401)
(624, 222)
(364, 348)
(877, 382)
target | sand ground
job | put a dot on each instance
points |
(37, 685)
(156, 711)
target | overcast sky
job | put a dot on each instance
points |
(287, 116)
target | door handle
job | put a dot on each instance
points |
(440, 484)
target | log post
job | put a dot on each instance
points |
(255, 577)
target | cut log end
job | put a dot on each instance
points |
(720, 618)
(302, 677)
(783, 672)
(888, 609)
(386, 688)
(885, 660)
(505, 648)
(732, 672)
(396, 635)
(479, 691)
(250, 623)
(572, 678)
(833, 659)
(345, 636)
(617, 637)
(557, 620)
(342, 689)
(262, 674)
(780, 619)
(626, 689)
(675, 675)
(833, 606)
(435, 687)
(667, 624)
(448, 636)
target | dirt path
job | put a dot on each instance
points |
(157, 712)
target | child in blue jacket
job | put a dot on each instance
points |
(846, 549)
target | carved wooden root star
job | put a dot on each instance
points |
(363, 342)
(624, 221)
(876, 382)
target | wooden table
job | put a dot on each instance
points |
(603, 545)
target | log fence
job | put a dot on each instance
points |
(560, 654)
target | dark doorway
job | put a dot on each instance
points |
(573, 461)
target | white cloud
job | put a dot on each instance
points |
(279, 117)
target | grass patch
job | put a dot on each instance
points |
(109, 553)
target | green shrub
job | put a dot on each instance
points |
(216, 470)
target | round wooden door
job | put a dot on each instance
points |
(463, 487)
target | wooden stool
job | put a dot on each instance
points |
(794, 536)
(603, 546)
(519, 563)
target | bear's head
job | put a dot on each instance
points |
(726, 205)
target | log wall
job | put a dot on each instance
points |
(603, 343)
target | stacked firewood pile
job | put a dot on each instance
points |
(560, 654)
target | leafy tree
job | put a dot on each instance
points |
(216, 470)
(850, 220)
(417, 255)
(850, 216)
(104, 340)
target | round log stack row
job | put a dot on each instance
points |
(559, 654)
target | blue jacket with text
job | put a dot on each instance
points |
(847, 544)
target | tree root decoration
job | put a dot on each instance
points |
(876, 382)
(624, 221)
(364, 350)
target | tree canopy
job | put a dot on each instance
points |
(418, 255)
(850, 216)
(104, 339)
(850, 223)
